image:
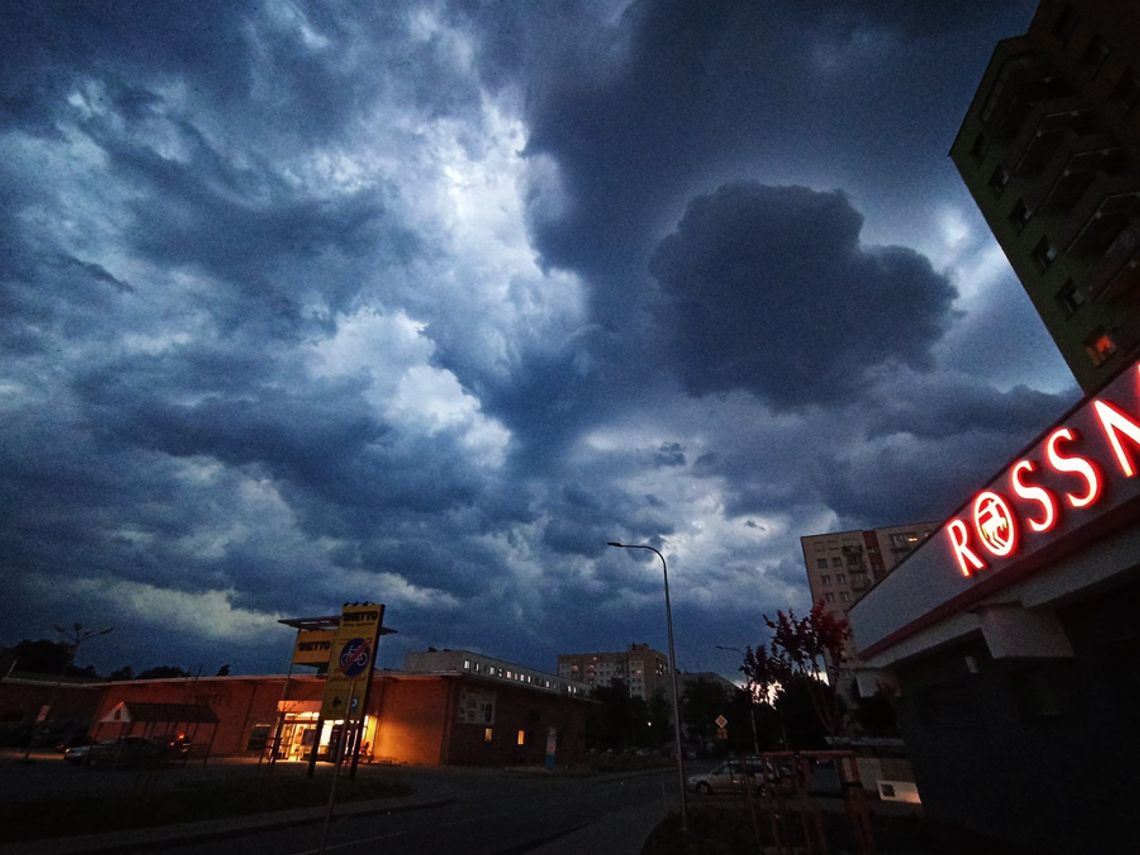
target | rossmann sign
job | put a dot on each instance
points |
(1076, 484)
(1057, 486)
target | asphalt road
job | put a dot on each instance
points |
(491, 815)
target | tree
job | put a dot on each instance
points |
(701, 702)
(41, 656)
(159, 672)
(806, 651)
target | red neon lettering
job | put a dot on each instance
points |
(1034, 493)
(959, 535)
(1076, 465)
(1114, 423)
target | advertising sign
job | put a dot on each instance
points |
(353, 655)
(313, 647)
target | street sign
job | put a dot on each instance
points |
(721, 733)
(721, 722)
(354, 653)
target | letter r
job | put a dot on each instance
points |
(967, 559)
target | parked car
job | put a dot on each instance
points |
(724, 778)
(127, 751)
(77, 755)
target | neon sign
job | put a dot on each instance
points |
(1058, 480)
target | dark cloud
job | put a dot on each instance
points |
(768, 289)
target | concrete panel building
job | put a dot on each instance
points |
(642, 669)
(1050, 151)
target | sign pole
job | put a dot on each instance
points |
(363, 711)
(338, 755)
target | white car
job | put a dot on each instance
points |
(725, 778)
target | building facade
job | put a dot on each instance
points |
(481, 665)
(1050, 151)
(842, 566)
(642, 669)
(1012, 636)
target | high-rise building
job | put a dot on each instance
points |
(843, 565)
(641, 668)
(1050, 151)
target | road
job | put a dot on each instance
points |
(491, 815)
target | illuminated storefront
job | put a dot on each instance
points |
(1013, 637)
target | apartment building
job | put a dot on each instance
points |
(1050, 151)
(642, 669)
(842, 566)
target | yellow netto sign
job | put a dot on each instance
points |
(313, 647)
(350, 665)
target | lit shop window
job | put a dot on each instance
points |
(1100, 346)
(488, 734)
(520, 739)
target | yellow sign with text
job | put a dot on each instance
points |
(350, 665)
(313, 647)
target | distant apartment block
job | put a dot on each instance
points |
(641, 668)
(1050, 151)
(439, 662)
(842, 566)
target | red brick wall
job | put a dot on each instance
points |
(411, 719)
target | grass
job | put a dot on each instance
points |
(93, 814)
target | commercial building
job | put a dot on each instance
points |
(1013, 638)
(433, 661)
(1050, 151)
(642, 669)
(843, 565)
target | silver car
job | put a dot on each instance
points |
(725, 778)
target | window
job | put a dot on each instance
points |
(844, 596)
(1065, 24)
(258, 737)
(998, 179)
(1070, 298)
(1127, 90)
(1095, 54)
(841, 578)
(1100, 346)
(466, 664)
(520, 739)
(821, 563)
(837, 561)
(825, 578)
(1043, 255)
(829, 597)
(853, 559)
(1019, 216)
(978, 149)
(488, 734)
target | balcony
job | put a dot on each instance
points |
(1043, 129)
(1071, 168)
(1025, 79)
(1100, 215)
(1116, 277)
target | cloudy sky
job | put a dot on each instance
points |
(423, 302)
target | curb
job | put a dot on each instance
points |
(197, 832)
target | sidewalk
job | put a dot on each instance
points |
(621, 832)
(154, 838)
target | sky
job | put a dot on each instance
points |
(424, 302)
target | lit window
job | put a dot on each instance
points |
(1043, 255)
(1019, 216)
(1100, 346)
(1095, 54)
(1070, 298)
(466, 664)
(488, 734)
(521, 738)
(998, 179)
(1127, 90)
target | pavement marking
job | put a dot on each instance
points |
(349, 843)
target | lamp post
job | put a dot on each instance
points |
(751, 701)
(673, 674)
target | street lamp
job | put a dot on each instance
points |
(673, 673)
(751, 700)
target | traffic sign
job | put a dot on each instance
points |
(721, 722)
